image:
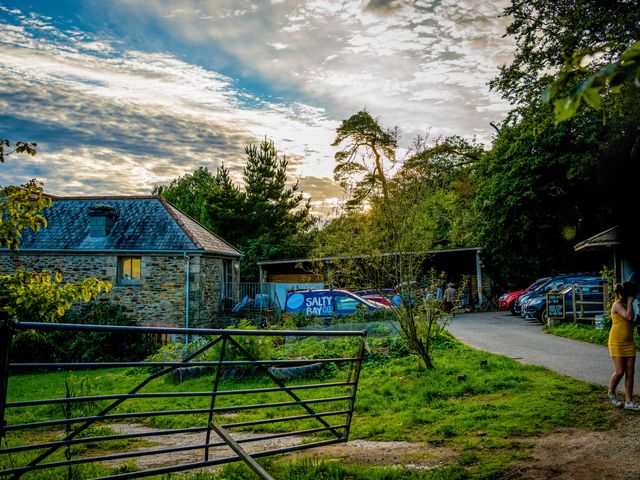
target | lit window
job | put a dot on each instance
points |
(130, 270)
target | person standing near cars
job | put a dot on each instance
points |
(622, 347)
(439, 294)
(449, 298)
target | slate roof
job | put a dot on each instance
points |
(142, 223)
(608, 238)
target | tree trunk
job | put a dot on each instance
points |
(427, 361)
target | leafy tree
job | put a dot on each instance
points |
(383, 242)
(365, 148)
(227, 208)
(275, 212)
(442, 180)
(30, 295)
(7, 149)
(266, 219)
(612, 76)
(21, 208)
(548, 185)
(546, 32)
(212, 200)
(545, 186)
(192, 193)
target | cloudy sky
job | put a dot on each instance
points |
(125, 94)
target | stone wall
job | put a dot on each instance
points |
(204, 295)
(158, 300)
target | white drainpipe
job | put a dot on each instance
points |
(479, 276)
(187, 279)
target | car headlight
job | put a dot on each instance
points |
(536, 301)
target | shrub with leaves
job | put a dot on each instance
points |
(21, 209)
(43, 297)
(83, 346)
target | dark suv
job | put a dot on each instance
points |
(552, 283)
(592, 291)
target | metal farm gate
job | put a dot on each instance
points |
(50, 435)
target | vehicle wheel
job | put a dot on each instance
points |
(544, 319)
(512, 308)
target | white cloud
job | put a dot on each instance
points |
(385, 55)
(120, 121)
(421, 65)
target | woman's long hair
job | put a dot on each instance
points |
(620, 292)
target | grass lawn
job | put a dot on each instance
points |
(586, 333)
(482, 418)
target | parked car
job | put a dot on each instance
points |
(516, 306)
(536, 306)
(382, 297)
(326, 303)
(551, 284)
(507, 300)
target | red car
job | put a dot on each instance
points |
(383, 297)
(508, 300)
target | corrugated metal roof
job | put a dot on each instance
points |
(142, 223)
(606, 239)
(351, 257)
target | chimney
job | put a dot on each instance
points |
(101, 219)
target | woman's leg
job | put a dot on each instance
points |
(629, 372)
(619, 365)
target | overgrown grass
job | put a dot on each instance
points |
(398, 399)
(332, 470)
(586, 333)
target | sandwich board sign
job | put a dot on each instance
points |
(555, 306)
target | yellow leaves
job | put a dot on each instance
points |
(43, 296)
(21, 209)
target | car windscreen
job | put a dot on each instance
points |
(584, 287)
(535, 285)
(542, 287)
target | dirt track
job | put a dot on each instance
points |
(577, 454)
(416, 455)
(567, 454)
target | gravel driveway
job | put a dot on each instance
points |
(526, 342)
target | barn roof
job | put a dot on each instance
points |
(140, 223)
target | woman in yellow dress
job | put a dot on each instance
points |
(622, 347)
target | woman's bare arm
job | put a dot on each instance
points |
(624, 312)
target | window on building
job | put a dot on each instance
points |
(130, 271)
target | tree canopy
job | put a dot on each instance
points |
(547, 33)
(265, 218)
(364, 149)
(540, 187)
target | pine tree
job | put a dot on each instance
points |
(275, 213)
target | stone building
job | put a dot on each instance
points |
(166, 268)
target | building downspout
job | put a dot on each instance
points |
(186, 288)
(479, 277)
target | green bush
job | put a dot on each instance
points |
(586, 333)
(80, 346)
(362, 315)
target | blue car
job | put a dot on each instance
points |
(327, 303)
(592, 290)
(552, 283)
